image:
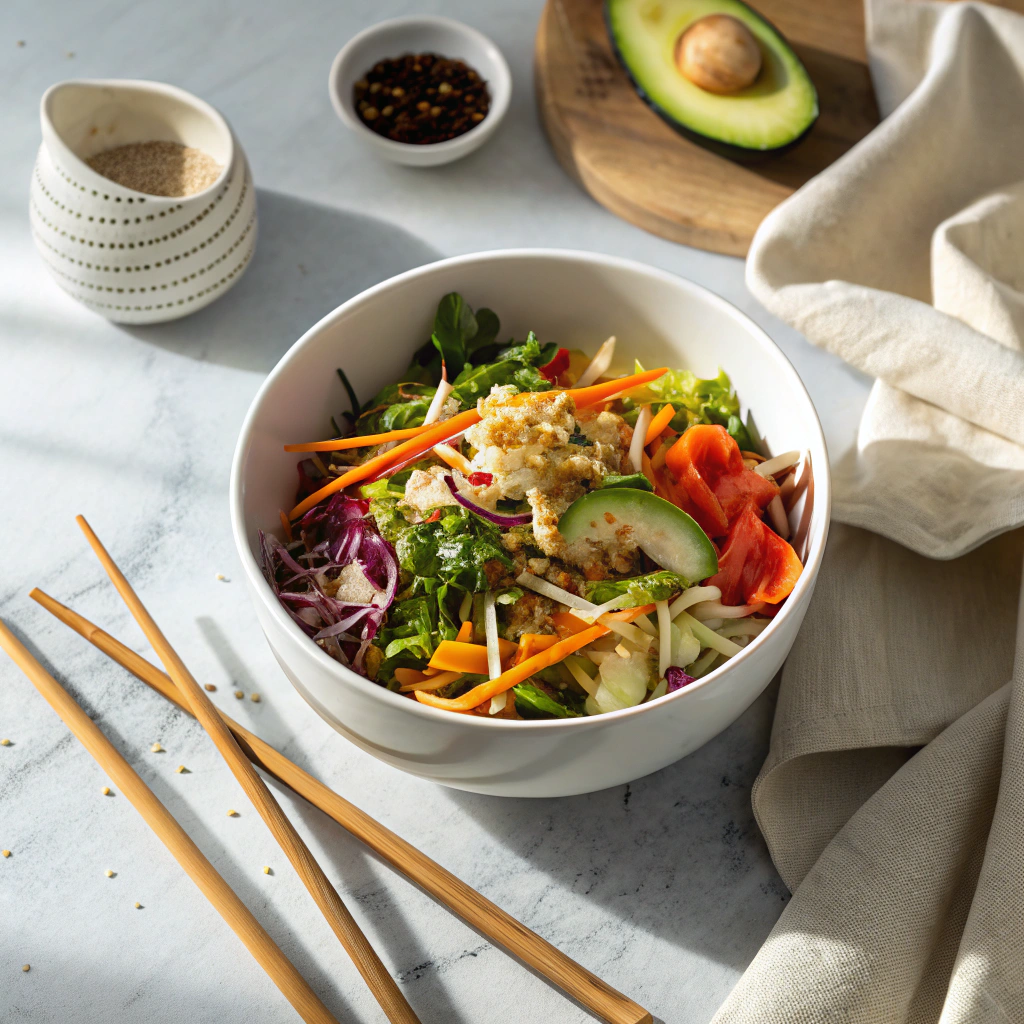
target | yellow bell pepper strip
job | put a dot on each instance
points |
(659, 423)
(408, 676)
(517, 674)
(452, 656)
(465, 633)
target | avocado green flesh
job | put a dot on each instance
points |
(662, 531)
(773, 112)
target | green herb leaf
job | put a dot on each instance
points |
(396, 407)
(532, 702)
(454, 326)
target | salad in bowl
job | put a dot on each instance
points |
(519, 530)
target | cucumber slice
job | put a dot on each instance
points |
(662, 531)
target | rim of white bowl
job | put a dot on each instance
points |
(821, 517)
(144, 85)
(501, 85)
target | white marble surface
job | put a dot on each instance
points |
(664, 887)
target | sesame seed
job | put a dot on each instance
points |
(232, 813)
(105, 791)
(239, 695)
(210, 688)
(26, 967)
(156, 748)
(6, 853)
(266, 870)
(181, 768)
(254, 697)
(5, 742)
(109, 873)
(220, 576)
(138, 906)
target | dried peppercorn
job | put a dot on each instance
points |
(429, 98)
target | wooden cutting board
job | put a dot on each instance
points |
(633, 163)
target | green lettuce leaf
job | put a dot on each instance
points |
(396, 407)
(654, 586)
(635, 480)
(532, 702)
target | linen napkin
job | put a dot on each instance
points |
(892, 799)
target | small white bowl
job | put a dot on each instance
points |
(132, 257)
(397, 37)
(576, 299)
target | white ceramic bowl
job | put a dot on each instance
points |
(133, 257)
(420, 35)
(575, 299)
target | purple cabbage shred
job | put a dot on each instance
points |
(677, 679)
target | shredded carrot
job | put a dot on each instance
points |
(406, 676)
(659, 423)
(404, 452)
(648, 469)
(568, 624)
(430, 682)
(287, 527)
(357, 441)
(533, 643)
(609, 389)
(455, 459)
(517, 674)
(452, 656)
(465, 634)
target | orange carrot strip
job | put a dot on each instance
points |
(533, 643)
(359, 441)
(568, 623)
(287, 527)
(404, 452)
(648, 469)
(430, 682)
(517, 674)
(455, 459)
(409, 675)
(452, 656)
(600, 392)
(629, 614)
(659, 423)
(465, 634)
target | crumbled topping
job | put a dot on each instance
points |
(426, 490)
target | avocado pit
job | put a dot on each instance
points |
(718, 54)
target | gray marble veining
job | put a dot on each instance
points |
(663, 887)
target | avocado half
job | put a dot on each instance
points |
(772, 114)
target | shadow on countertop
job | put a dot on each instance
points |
(309, 259)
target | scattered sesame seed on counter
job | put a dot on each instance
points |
(105, 791)
(209, 688)
(157, 749)
(239, 695)
(5, 742)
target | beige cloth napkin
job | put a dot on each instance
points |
(892, 799)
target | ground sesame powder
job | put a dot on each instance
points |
(158, 168)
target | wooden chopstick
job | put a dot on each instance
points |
(476, 910)
(238, 916)
(344, 926)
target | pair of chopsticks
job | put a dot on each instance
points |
(242, 750)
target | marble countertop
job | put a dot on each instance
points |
(664, 887)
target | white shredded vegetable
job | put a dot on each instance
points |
(690, 597)
(664, 637)
(709, 638)
(646, 625)
(541, 586)
(498, 702)
(599, 364)
(466, 608)
(716, 610)
(777, 513)
(659, 691)
(580, 675)
(743, 627)
(444, 389)
(599, 656)
(777, 464)
(636, 446)
(703, 664)
(491, 632)
(628, 632)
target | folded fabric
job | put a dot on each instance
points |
(892, 799)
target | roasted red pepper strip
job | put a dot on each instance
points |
(553, 370)
(708, 468)
(756, 564)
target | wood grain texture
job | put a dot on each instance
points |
(635, 164)
(237, 915)
(326, 897)
(476, 910)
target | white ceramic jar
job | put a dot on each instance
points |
(132, 257)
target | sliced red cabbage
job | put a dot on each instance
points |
(676, 678)
(331, 536)
(505, 522)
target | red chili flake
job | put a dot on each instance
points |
(434, 516)
(557, 366)
(480, 479)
